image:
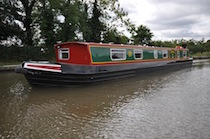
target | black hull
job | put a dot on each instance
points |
(46, 78)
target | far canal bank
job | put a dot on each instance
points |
(8, 67)
(201, 57)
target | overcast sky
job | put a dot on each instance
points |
(171, 19)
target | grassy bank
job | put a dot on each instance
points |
(10, 63)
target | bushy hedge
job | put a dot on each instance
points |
(18, 54)
(198, 48)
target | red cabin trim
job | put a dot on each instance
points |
(78, 53)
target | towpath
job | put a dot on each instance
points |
(8, 67)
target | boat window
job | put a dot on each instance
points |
(155, 54)
(184, 54)
(138, 54)
(118, 54)
(165, 53)
(63, 53)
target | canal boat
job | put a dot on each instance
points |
(85, 62)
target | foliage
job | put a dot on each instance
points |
(19, 54)
(70, 11)
(45, 20)
(112, 35)
(8, 25)
(18, 19)
(84, 27)
(95, 24)
(193, 45)
(141, 35)
(199, 54)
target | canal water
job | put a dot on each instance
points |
(164, 104)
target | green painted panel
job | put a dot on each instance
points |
(160, 54)
(130, 54)
(181, 54)
(148, 54)
(100, 54)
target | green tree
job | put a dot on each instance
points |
(95, 24)
(84, 26)
(47, 22)
(112, 35)
(156, 43)
(113, 15)
(8, 26)
(18, 12)
(141, 35)
(70, 10)
(45, 18)
(28, 6)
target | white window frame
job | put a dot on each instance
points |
(184, 54)
(121, 51)
(60, 53)
(155, 53)
(165, 52)
(140, 51)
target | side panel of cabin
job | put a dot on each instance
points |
(105, 54)
(72, 53)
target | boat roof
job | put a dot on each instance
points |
(119, 45)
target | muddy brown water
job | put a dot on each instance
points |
(164, 104)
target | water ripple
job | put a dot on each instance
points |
(165, 105)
